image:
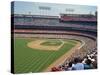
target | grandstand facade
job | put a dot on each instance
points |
(53, 23)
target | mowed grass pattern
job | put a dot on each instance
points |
(32, 60)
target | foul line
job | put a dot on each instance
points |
(61, 44)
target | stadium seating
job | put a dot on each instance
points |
(34, 21)
(51, 27)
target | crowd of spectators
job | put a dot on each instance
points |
(52, 22)
(79, 18)
(79, 63)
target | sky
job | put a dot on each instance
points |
(33, 8)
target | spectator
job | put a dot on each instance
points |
(88, 64)
(77, 64)
(54, 69)
(70, 66)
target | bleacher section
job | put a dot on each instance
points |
(51, 23)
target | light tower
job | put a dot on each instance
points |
(29, 13)
(44, 10)
(69, 11)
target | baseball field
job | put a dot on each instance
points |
(36, 55)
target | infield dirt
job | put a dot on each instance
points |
(37, 45)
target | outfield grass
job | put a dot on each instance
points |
(33, 60)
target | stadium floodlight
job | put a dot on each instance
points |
(44, 8)
(29, 13)
(69, 10)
